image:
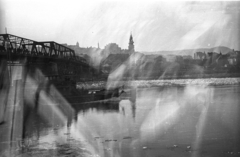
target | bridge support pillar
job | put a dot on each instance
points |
(11, 131)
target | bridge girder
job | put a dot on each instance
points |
(15, 45)
(45, 56)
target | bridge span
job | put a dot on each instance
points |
(55, 61)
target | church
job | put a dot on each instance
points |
(131, 45)
(113, 48)
(116, 56)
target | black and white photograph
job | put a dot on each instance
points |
(101, 78)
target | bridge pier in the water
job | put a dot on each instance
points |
(11, 127)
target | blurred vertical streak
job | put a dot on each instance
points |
(46, 100)
(3, 84)
(4, 87)
(4, 90)
(201, 124)
(2, 71)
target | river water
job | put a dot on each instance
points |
(177, 121)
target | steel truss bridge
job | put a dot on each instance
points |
(56, 61)
(39, 77)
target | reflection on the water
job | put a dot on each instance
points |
(168, 121)
(99, 106)
(190, 120)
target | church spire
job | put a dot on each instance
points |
(131, 44)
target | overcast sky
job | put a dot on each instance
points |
(166, 25)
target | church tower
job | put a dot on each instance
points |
(131, 44)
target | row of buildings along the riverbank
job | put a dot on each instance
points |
(194, 61)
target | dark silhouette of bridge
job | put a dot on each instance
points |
(56, 61)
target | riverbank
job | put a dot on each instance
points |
(162, 82)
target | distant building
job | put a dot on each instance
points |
(131, 45)
(200, 55)
(187, 57)
(112, 48)
(89, 53)
(113, 61)
(233, 58)
(82, 50)
(115, 55)
(222, 61)
(217, 60)
(171, 58)
(212, 57)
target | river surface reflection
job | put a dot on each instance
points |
(160, 122)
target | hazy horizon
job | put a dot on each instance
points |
(155, 26)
